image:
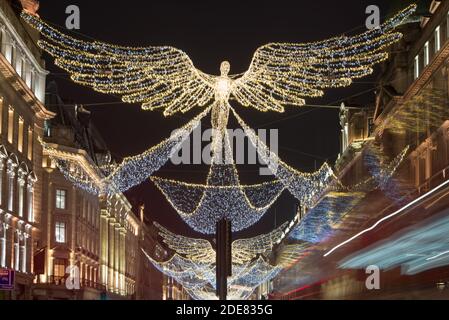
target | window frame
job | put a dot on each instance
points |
(61, 199)
(11, 116)
(416, 67)
(437, 34)
(426, 53)
(20, 134)
(60, 231)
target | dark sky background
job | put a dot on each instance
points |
(210, 32)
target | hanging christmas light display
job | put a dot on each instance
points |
(321, 220)
(131, 172)
(280, 75)
(193, 264)
(223, 196)
(201, 251)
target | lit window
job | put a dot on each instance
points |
(8, 50)
(426, 54)
(30, 144)
(20, 138)
(61, 199)
(10, 124)
(437, 39)
(19, 65)
(28, 75)
(47, 128)
(60, 232)
(416, 67)
(59, 267)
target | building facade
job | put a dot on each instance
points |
(172, 290)
(85, 237)
(411, 110)
(150, 280)
(22, 117)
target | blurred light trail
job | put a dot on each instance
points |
(412, 203)
(419, 248)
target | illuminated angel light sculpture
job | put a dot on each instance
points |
(193, 264)
(280, 74)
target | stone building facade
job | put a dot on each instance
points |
(84, 235)
(61, 241)
(22, 117)
(411, 110)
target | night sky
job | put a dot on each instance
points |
(210, 32)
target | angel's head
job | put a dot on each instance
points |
(225, 68)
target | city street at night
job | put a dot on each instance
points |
(253, 153)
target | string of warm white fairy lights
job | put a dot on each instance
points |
(321, 220)
(132, 171)
(199, 278)
(234, 294)
(135, 170)
(280, 74)
(193, 264)
(157, 77)
(306, 187)
(223, 196)
(75, 174)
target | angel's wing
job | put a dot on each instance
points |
(283, 74)
(245, 250)
(197, 250)
(156, 77)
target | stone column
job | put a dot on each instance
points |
(104, 242)
(11, 172)
(30, 248)
(122, 259)
(111, 265)
(117, 257)
(2, 167)
(9, 237)
(17, 236)
(3, 227)
(31, 180)
(23, 251)
(21, 174)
